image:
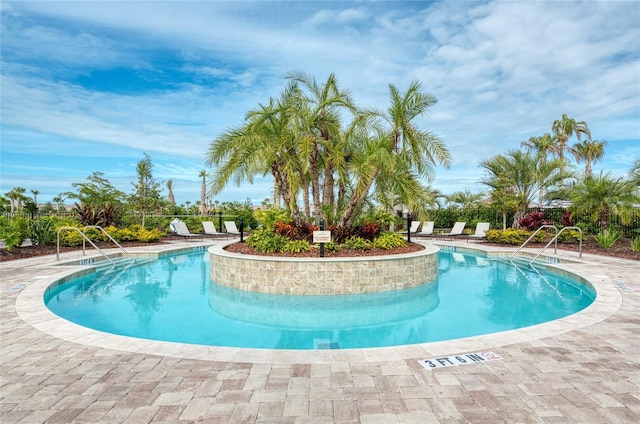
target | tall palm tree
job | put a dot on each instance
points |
(526, 175)
(58, 201)
(465, 199)
(319, 118)
(419, 150)
(170, 197)
(35, 196)
(634, 172)
(542, 145)
(203, 191)
(566, 128)
(602, 196)
(588, 151)
(266, 143)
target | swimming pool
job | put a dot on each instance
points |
(172, 299)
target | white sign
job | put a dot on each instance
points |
(467, 358)
(321, 236)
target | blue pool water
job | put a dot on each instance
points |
(172, 299)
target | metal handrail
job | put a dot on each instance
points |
(108, 235)
(534, 234)
(84, 237)
(556, 240)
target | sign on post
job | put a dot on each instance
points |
(321, 236)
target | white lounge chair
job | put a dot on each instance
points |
(457, 230)
(231, 228)
(426, 230)
(414, 227)
(480, 233)
(183, 231)
(210, 230)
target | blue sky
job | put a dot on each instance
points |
(93, 86)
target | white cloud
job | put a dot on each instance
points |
(502, 71)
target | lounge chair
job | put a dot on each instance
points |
(457, 230)
(183, 231)
(414, 227)
(427, 229)
(210, 230)
(481, 229)
(231, 228)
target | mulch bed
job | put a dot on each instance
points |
(622, 249)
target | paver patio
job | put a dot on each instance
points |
(582, 369)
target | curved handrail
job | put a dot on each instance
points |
(84, 237)
(556, 240)
(533, 235)
(108, 235)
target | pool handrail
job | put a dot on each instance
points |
(108, 235)
(556, 240)
(84, 237)
(534, 234)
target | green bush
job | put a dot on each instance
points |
(332, 246)
(148, 236)
(266, 241)
(296, 246)
(13, 231)
(70, 238)
(607, 238)
(635, 244)
(42, 232)
(569, 236)
(513, 236)
(357, 243)
(388, 240)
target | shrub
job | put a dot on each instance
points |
(70, 238)
(567, 220)
(340, 234)
(267, 218)
(388, 240)
(42, 232)
(368, 231)
(607, 238)
(148, 236)
(332, 246)
(569, 236)
(513, 236)
(296, 246)
(532, 221)
(13, 232)
(295, 232)
(635, 244)
(357, 243)
(266, 241)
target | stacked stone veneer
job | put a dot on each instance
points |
(320, 276)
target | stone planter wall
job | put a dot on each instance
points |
(321, 276)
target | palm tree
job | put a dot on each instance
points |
(58, 201)
(588, 151)
(203, 192)
(602, 196)
(465, 199)
(318, 122)
(16, 197)
(420, 149)
(525, 174)
(316, 156)
(35, 196)
(634, 172)
(566, 128)
(170, 197)
(542, 145)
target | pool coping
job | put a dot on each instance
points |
(30, 308)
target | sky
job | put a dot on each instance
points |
(94, 86)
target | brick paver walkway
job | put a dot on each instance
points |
(582, 369)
